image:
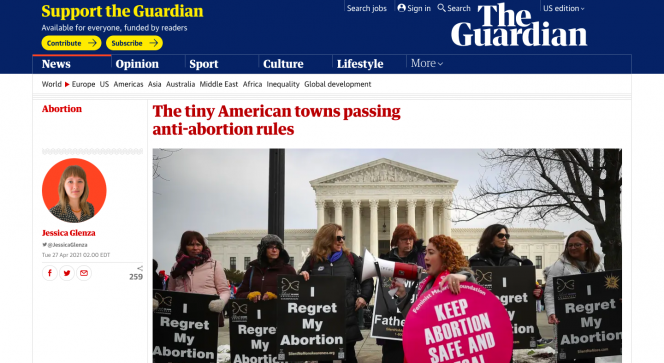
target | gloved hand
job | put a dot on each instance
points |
(185, 264)
(217, 306)
(269, 296)
(254, 296)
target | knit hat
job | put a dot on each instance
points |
(270, 239)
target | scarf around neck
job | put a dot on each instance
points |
(335, 256)
(496, 254)
(199, 260)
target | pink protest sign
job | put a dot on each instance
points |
(471, 327)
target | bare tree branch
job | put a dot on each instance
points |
(157, 157)
(542, 185)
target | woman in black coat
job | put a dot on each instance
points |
(260, 279)
(494, 248)
(330, 257)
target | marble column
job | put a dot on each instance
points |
(429, 218)
(373, 227)
(394, 204)
(422, 232)
(447, 217)
(439, 219)
(338, 212)
(357, 244)
(411, 211)
(320, 208)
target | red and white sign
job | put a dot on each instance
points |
(471, 327)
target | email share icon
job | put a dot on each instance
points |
(83, 273)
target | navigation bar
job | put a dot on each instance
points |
(333, 64)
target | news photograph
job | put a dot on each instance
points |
(386, 255)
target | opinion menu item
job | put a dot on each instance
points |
(589, 309)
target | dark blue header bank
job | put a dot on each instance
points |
(333, 36)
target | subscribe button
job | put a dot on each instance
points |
(134, 42)
(71, 42)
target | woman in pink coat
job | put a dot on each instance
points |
(196, 272)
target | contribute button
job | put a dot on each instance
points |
(134, 42)
(71, 42)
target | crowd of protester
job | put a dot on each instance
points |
(442, 259)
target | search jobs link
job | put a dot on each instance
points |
(366, 9)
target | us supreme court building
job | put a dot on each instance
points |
(368, 201)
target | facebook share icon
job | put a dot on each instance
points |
(50, 273)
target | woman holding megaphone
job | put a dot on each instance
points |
(330, 257)
(445, 264)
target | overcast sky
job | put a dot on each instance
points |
(220, 190)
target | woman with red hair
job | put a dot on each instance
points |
(445, 264)
(405, 246)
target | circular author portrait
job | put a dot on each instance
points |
(73, 193)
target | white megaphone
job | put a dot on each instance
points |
(387, 268)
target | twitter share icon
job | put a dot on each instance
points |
(67, 273)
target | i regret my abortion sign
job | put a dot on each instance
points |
(184, 330)
(311, 318)
(471, 327)
(590, 313)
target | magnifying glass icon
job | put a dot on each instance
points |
(442, 7)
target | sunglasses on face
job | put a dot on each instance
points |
(272, 247)
(575, 245)
(503, 235)
(339, 238)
